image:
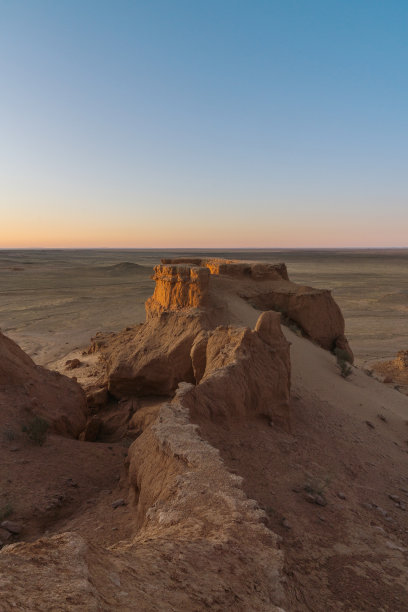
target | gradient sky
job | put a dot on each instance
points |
(203, 123)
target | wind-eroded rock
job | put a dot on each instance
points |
(178, 287)
(156, 357)
(244, 373)
(267, 287)
(313, 310)
(193, 296)
(235, 268)
(28, 390)
(394, 370)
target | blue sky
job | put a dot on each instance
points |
(204, 123)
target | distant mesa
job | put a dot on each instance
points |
(125, 267)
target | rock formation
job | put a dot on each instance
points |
(178, 287)
(243, 373)
(394, 371)
(401, 361)
(230, 267)
(193, 296)
(28, 390)
(156, 357)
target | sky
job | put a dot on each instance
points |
(203, 123)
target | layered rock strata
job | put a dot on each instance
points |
(184, 307)
(235, 268)
(178, 287)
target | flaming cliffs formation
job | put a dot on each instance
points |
(209, 458)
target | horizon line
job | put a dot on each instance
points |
(195, 248)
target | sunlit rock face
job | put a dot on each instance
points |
(178, 287)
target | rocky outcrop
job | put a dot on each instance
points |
(313, 310)
(178, 287)
(194, 296)
(190, 503)
(267, 287)
(394, 371)
(28, 390)
(235, 268)
(153, 359)
(401, 361)
(244, 373)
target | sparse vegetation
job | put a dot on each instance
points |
(295, 328)
(37, 430)
(343, 362)
(6, 511)
(316, 486)
(345, 369)
(9, 434)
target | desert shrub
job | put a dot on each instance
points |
(5, 511)
(342, 355)
(295, 328)
(343, 362)
(345, 370)
(9, 434)
(316, 486)
(36, 430)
